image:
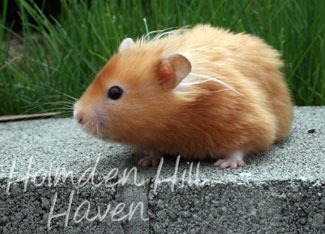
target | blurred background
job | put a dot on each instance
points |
(51, 49)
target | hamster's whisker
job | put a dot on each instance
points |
(61, 109)
(59, 112)
(98, 133)
(56, 105)
(64, 101)
(63, 98)
(58, 102)
(69, 97)
(64, 94)
(85, 125)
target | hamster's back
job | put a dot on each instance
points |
(215, 52)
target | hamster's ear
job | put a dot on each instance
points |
(125, 44)
(173, 69)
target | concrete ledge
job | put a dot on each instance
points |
(64, 171)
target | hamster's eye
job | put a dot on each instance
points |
(115, 92)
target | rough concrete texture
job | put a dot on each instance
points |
(281, 191)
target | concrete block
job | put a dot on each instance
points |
(57, 179)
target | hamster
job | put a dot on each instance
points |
(200, 93)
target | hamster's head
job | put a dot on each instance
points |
(132, 97)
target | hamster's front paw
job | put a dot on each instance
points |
(152, 160)
(232, 160)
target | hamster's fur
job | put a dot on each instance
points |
(199, 93)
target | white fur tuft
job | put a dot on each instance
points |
(195, 79)
(158, 34)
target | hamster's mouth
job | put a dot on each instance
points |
(94, 128)
(93, 131)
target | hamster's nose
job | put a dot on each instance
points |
(78, 116)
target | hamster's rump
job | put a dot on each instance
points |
(205, 92)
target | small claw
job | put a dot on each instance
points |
(233, 161)
(218, 163)
(145, 162)
(241, 163)
(152, 160)
(140, 161)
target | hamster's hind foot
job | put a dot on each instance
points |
(233, 160)
(152, 160)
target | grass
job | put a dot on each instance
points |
(61, 56)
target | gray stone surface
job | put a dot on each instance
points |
(281, 191)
